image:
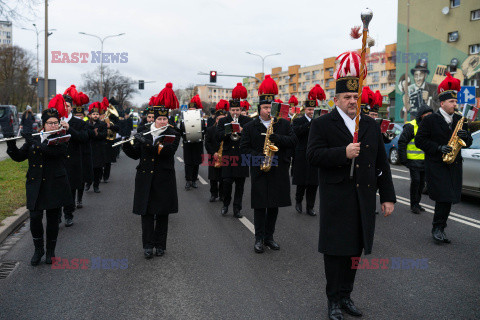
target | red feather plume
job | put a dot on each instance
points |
(367, 96)
(197, 101)
(222, 105)
(239, 92)
(83, 99)
(104, 104)
(268, 86)
(317, 93)
(355, 32)
(377, 99)
(450, 83)
(293, 100)
(167, 98)
(73, 93)
(59, 103)
(245, 104)
(278, 100)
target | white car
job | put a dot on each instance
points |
(471, 167)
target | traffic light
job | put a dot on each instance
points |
(213, 76)
(34, 81)
(141, 84)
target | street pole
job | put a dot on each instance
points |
(263, 60)
(45, 88)
(406, 98)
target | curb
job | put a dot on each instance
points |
(12, 222)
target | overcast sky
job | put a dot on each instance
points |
(171, 41)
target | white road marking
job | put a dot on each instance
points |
(180, 159)
(202, 180)
(247, 224)
(399, 177)
(391, 168)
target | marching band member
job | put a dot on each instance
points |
(149, 117)
(47, 184)
(305, 176)
(375, 105)
(192, 151)
(87, 166)
(366, 100)
(347, 204)
(233, 171)
(214, 147)
(77, 128)
(155, 182)
(111, 119)
(98, 136)
(270, 187)
(444, 180)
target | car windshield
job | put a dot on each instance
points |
(2, 112)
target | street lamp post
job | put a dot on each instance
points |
(101, 55)
(263, 60)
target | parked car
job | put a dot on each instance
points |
(471, 167)
(8, 120)
(37, 125)
(392, 147)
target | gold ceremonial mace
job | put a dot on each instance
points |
(366, 17)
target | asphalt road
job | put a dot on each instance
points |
(210, 270)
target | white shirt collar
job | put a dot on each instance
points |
(309, 119)
(70, 116)
(265, 123)
(448, 118)
(155, 134)
(349, 122)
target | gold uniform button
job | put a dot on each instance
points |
(33, 165)
(369, 186)
(357, 166)
(153, 160)
(369, 166)
(358, 185)
(33, 152)
(40, 166)
(151, 171)
(68, 156)
(33, 178)
(43, 179)
(367, 145)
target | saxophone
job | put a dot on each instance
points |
(455, 143)
(218, 161)
(269, 150)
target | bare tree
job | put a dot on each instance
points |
(115, 85)
(17, 9)
(16, 70)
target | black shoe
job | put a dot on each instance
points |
(445, 239)
(212, 198)
(272, 244)
(188, 186)
(236, 213)
(87, 187)
(437, 234)
(148, 253)
(159, 252)
(421, 208)
(50, 251)
(334, 312)
(39, 252)
(376, 212)
(221, 198)
(105, 180)
(194, 184)
(298, 207)
(259, 248)
(96, 190)
(415, 210)
(311, 212)
(68, 222)
(224, 210)
(79, 205)
(349, 307)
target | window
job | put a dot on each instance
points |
(315, 73)
(474, 48)
(454, 3)
(383, 86)
(294, 87)
(330, 71)
(369, 67)
(475, 15)
(453, 36)
(384, 73)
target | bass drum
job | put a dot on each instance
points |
(192, 120)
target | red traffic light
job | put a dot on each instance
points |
(213, 76)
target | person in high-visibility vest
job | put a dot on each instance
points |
(414, 158)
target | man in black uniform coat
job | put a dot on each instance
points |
(129, 123)
(347, 204)
(192, 151)
(211, 119)
(98, 135)
(77, 128)
(149, 117)
(212, 145)
(270, 190)
(444, 180)
(87, 165)
(305, 176)
(233, 171)
(113, 128)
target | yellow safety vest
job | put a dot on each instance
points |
(413, 153)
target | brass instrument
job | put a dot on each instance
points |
(111, 110)
(296, 114)
(218, 161)
(145, 133)
(455, 143)
(235, 136)
(269, 149)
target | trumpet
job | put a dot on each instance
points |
(41, 133)
(145, 133)
(235, 136)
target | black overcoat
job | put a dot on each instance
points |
(212, 145)
(47, 185)
(87, 162)
(347, 206)
(155, 182)
(269, 189)
(231, 149)
(444, 181)
(74, 158)
(110, 153)
(97, 141)
(303, 172)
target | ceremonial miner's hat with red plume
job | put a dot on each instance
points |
(348, 72)
(57, 108)
(377, 101)
(71, 95)
(81, 100)
(245, 105)
(316, 93)
(196, 102)
(448, 88)
(293, 101)
(222, 107)
(165, 101)
(238, 93)
(94, 107)
(367, 99)
(267, 90)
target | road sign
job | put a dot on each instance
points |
(466, 95)
(330, 103)
(184, 107)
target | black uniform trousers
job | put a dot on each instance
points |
(417, 181)
(340, 276)
(68, 210)
(191, 172)
(238, 196)
(311, 191)
(264, 221)
(79, 195)
(106, 171)
(440, 217)
(216, 188)
(36, 224)
(97, 175)
(154, 234)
